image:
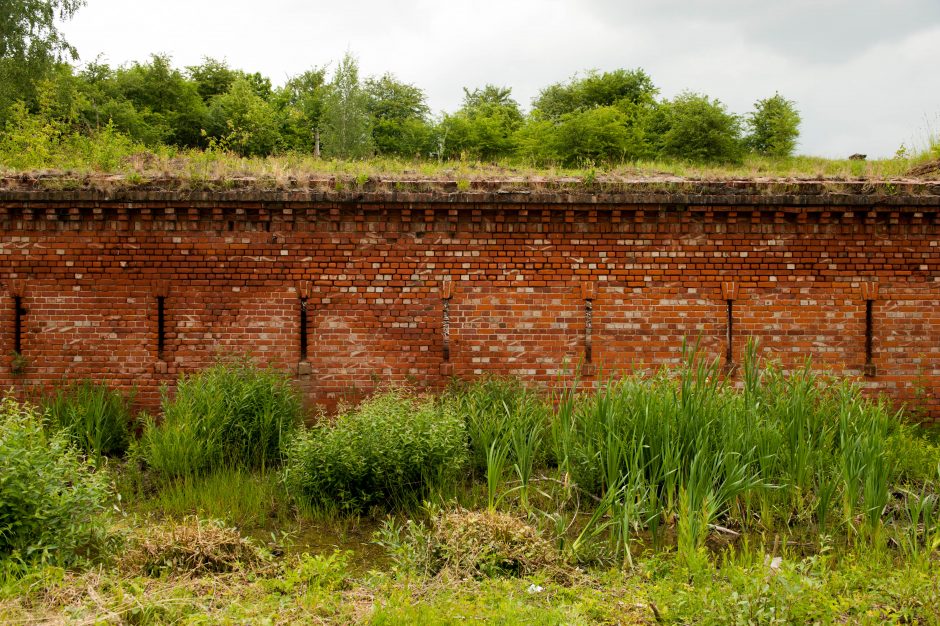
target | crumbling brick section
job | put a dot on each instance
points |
(420, 282)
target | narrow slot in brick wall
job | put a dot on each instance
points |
(729, 336)
(161, 327)
(18, 313)
(303, 328)
(869, 337)
(588, 331)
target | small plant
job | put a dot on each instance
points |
(492, 408)
(525, 443)
(18, 364)
(495, 467)
(50, 499)
(314, 572)
(470, 544)
(95, 417)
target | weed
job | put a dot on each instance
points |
(194, 546)
(50, 499)
(391, 450)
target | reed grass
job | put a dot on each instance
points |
(93, 416)
(232, 414)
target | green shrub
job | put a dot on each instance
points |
(392, 449)
(50, 499)
(774, 127)
(94, 417)
(695, 128)
(232, 415)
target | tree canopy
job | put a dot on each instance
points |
(599, 117)
(28, 29)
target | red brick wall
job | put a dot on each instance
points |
(514, 270)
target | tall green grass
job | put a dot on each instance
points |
(760, 455)
(246, 499)
(232, 415)
(690, 450)
(94, 417)
(496, 410)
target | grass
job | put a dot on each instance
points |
(249, 500)
(95, 418)
(233, 414)
(745, 588)
(676, 498)
(187, 169)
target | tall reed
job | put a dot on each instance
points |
(233, 414)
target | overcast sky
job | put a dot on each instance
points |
(864, 73)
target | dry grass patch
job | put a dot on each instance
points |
(491, 543)
(193, 546)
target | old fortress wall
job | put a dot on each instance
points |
(352, 287)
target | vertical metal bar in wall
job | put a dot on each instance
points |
(869, 337)
(161, 326)
(588, 331)
(729, 338)
(18, 312)
(446, 329)
(303, 329)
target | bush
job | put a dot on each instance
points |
(49, 498)
(392, 449)
(230, 415)
(697, 129)
(774, 127)
(95, 418)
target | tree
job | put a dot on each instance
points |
(602, 134)
(696, 128)
(774, 127)
(624, 88)
(485, 125)
(31, 46)
(244, 120)
(168, 104)
(214, 78)
(598, 118)
(400, 117)
(300, 103)
(28, 29)
(347, 125)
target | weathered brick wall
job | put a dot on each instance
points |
(526, 278)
